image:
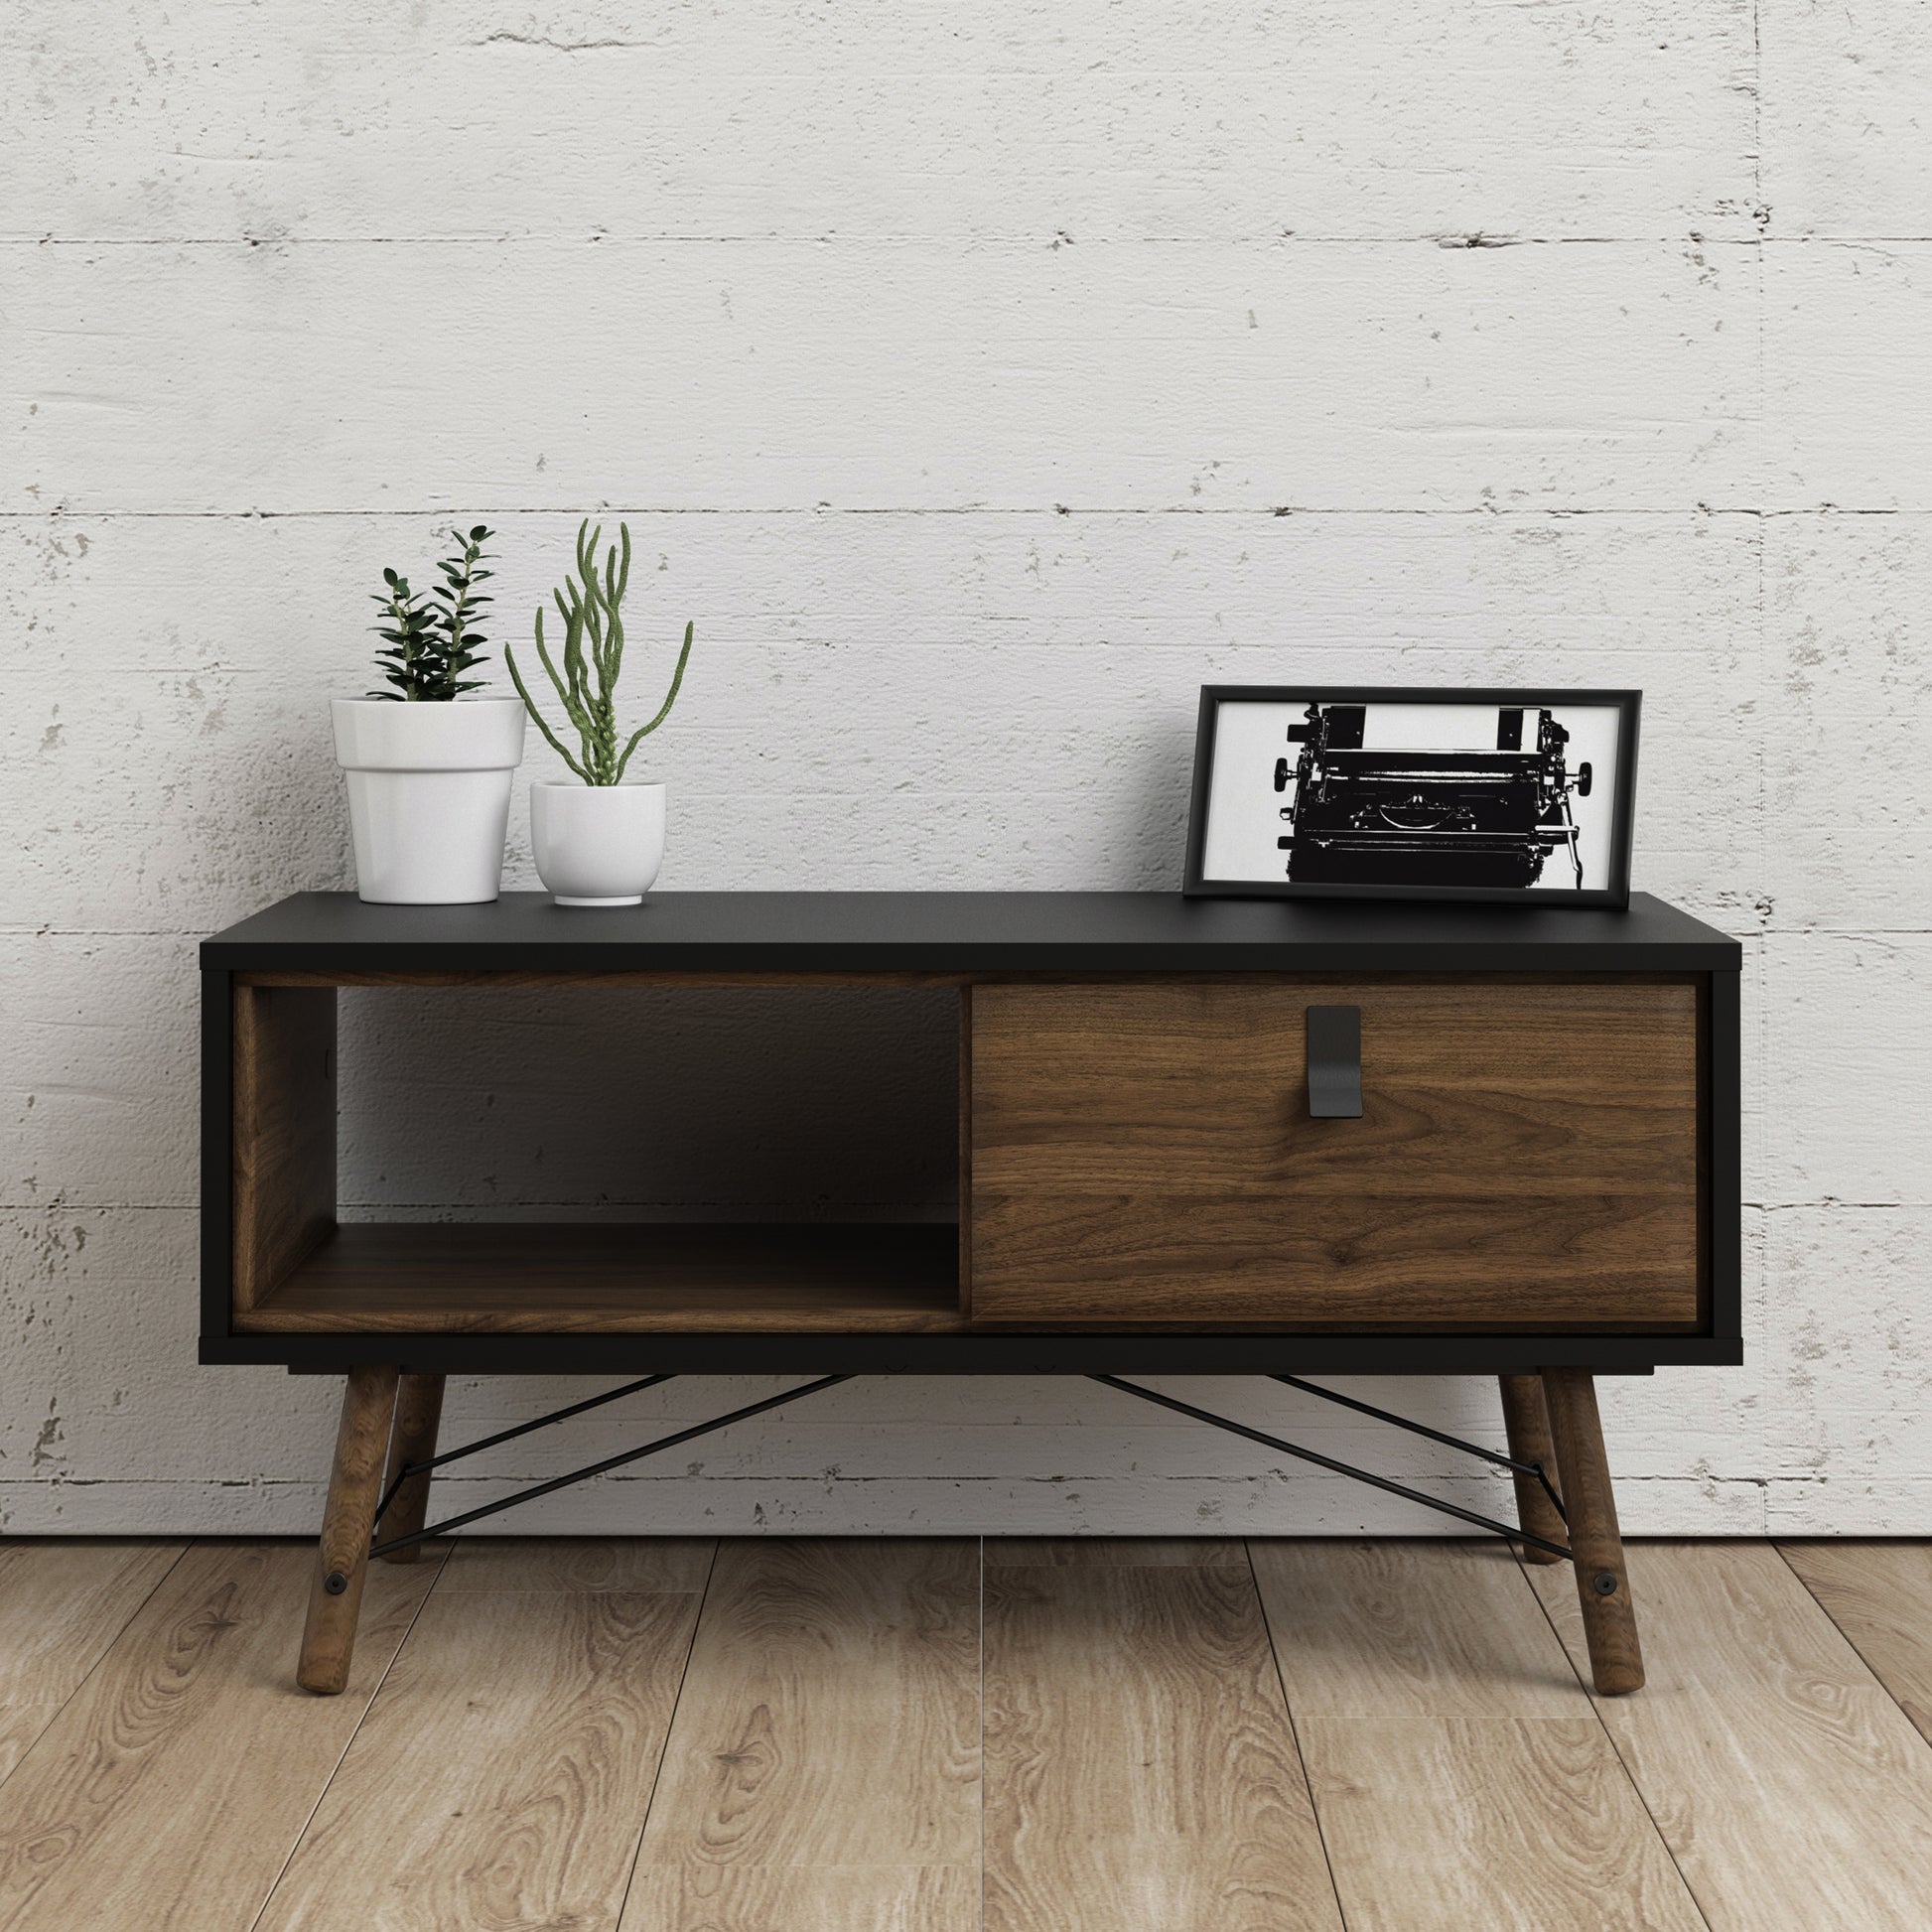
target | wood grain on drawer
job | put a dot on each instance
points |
(1527, 1156)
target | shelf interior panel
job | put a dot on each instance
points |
(573, 1278)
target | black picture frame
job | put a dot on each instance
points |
(1616, 893)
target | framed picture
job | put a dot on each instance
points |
(1304, 792)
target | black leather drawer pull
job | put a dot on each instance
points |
(1334, 1063)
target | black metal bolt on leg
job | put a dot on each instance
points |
(335, 1582)
(1603, 1583)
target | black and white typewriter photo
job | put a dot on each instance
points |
(1409, 794)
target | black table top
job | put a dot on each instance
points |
(966, 932)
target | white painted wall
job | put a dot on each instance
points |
(981, 379)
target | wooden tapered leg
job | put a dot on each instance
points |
(1528, 1425)
(1602, 1583)
(419, 1409)
(355, 1488)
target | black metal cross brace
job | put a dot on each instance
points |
(610, 1462)
(1348, 1468)
(576, 1475)
(1502, 1462)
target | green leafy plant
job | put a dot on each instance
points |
(431, 645)
(593, 658)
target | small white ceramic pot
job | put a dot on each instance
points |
(598, 845)
(429, 795)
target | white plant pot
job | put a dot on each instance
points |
(429, 795)
(598, 845)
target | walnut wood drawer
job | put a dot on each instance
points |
(1528, 1157)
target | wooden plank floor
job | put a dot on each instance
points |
(1141, 1766)
(955, 1736)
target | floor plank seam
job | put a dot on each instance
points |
(349, 1744)
(107, 1651)
(1623, 1764)
(979, 1542)
(670, 1730)
(1851, 1641)
(1295, 1734)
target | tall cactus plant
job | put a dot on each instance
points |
(593, 658)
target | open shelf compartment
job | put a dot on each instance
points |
(296, 1269)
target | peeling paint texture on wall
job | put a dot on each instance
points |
(981, 381)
